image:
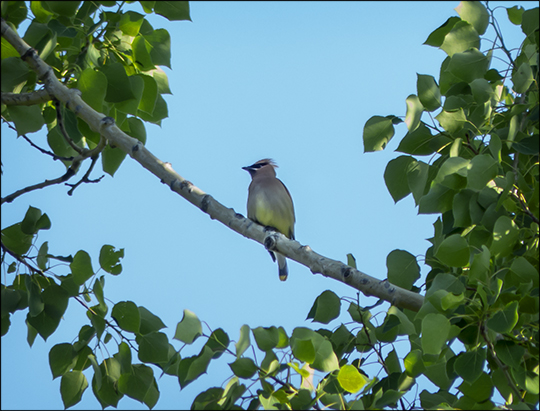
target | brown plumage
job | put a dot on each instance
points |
(270, 204)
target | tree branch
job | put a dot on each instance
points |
(68, 174)
(292, 249)
(26, 99)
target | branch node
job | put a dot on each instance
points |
(28, 53)
(172, 183)
(186, 184)
(107, 121)
(205, 202)
(346, 272)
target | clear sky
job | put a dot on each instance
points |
(293, 81)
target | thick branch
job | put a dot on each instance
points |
(26, 99)
(227, 216)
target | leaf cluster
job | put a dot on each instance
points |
(479, 125)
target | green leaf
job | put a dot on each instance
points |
(414, 112)
(475, 13)
(189, 329)
(118, 84)
(127, 316)
(505, 236)
(140, 385)
(218, 342)
(504, 320)
(243, 367)
(58, 143)
(480, 267)
(468, 65)
(141, 53)
(62, 8)
(514, 14)
(189, 369)
(351, 261)
(414, 365)
(35, 300)
(529, 22)
(350, 379)
(378, 131)
(159, 44)
(81, 267)
(525, 271)
(149, 96)
(462, 37)
(325, 359)
(482, 169)
(14, 12)
(510, 353)
(266, 338)
(435, 330)
(403, 269)
(395, 177)
(106, 390)
(136, 129)
(454, 251)
(233, 392)
(14, 73)
(479, 391)
(303, 350)
(417, 142)
(153, 347)
(428, 92)
(417, 176)
(522, 78)
(72, 387)
(111, 159)
(481, 90)
(392, 362)
(243, 341)
(130, 106)
(209, 399)
(55, 299)
(130, 23)
(109, 259)
(173, 10)
(452, 172)
(325, 308)
(469, 365)
(437, 200)
(27, 119)
(149, 321)
(61, 359)
(160, 112)
(436, 38)
(43, 256)
(452, 121)
(93, 87)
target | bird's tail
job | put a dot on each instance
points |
(282, 265)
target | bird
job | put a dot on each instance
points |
(270, 204)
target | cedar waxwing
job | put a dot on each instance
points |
(270, 204)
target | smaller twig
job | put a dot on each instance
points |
(65, 134)
(22, 260)
(85, 178)
(501, 366)
(69, 173)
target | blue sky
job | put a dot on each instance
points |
(293, 81)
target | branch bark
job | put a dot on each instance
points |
(275, 241)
